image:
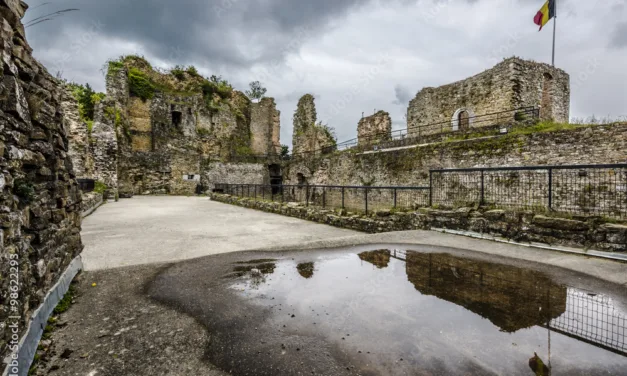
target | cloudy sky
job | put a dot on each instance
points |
(354, 56)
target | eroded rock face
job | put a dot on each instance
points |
(40, 200)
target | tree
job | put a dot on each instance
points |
(256, 91)
(285, 150)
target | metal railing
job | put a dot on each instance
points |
(590, 190)
(587, 190)
(409, 136)
(413, 134)
(352, 198)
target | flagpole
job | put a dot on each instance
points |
(554, 30)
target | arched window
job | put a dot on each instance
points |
(462, 119)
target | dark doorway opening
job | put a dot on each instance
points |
(177, 118)
(276, 178)
(463, 120)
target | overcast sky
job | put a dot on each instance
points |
(354, 56)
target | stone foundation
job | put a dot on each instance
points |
(518, 226)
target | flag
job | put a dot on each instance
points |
(545, 13)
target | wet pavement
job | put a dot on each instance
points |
(396, 311)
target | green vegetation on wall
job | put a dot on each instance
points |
(87, 100)
(140, 85)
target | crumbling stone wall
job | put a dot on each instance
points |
(234, 173)
(80, 151)
(309, 136)
(40, 202)
(165, 137)
(513, 83)
(522, 227)
(374, 128)
(265, 125)
(410, 166)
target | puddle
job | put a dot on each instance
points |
(394, 312)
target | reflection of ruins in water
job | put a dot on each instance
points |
(379, 258)
(305, 269)
(511, 298)
(514, 298)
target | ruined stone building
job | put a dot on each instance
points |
(309, 136)
(374, 128)
(158, 133)
(512, 84)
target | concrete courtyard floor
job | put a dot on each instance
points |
(114, 327)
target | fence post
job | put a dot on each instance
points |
(248, 189)
(307, 195)
(482, 199)
(550, 188)
(430, 188)
(394, 198)
(366, 197)
(255, 192)
(343, 207)
(324, 197)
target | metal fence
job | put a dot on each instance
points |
(587, 190)
(593, 319)
(593, 190)
(352, 198)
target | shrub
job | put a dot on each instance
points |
(192, 71)
(178, 72)
(140, 84)
(24, 190)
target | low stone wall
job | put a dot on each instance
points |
(91, 202)
(518, 226)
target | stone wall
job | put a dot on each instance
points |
(374, 128)
(234, 173)
(409, 166)
(40, 203)
(265, 125)
(511, 84)
(309, 136)
(104, 146)
(80, 149)
(524, 227)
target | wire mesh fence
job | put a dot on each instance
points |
(352, 198)
(593, 190)
(587, 190)
(594, 319)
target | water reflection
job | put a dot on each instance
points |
(305, 269)
(444, 314)
(379, 258)
(511, 298)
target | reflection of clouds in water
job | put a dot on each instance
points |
(438, 313)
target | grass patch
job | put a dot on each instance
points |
(66, 302)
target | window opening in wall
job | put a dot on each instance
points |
(177, 117)
(189, 111)
(463, 120)
(546, 110)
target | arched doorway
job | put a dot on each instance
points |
(546, 103)
(463, 119)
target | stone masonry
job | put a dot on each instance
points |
(40, 202)
(309, 136)
(265, 125)
(374, 128)
(511, 84)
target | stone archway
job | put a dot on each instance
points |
(462, 119)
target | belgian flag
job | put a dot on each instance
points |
(545, 13)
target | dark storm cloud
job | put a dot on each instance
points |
(619, 36)
(238, 33)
